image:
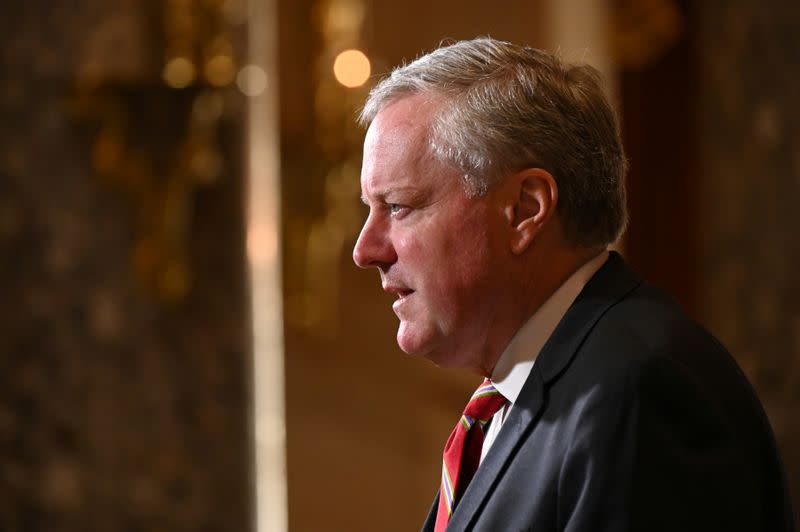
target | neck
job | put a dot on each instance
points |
(542, 274)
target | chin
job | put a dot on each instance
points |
(432, 349)
(411, 347)
(414, 342)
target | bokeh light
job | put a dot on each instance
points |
(220, 70)
(351, 68)
(252, 80)
(179, 72)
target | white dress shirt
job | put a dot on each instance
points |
(516, 361)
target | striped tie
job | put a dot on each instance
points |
(462, 453)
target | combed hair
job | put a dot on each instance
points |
(507, 107)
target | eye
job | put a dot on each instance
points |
(396, 209)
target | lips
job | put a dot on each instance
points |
(399, 291)
(402, 293)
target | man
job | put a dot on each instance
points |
(494, 176)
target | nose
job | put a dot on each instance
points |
(374, 246)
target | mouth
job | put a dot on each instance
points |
(399, 292)
(399, 304)
(402, 294)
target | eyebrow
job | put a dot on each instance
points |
(381, 194)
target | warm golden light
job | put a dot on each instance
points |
(262, 243)
(179, 72)
(220, 70)
(351, 68)
(252, 80)
(257, 80)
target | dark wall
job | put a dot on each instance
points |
(712, 129)
(123, 401)
(748, 217)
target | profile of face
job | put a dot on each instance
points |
(440, 251)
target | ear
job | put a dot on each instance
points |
(536, 200)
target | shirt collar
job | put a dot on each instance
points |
(516, 361)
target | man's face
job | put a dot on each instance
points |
(437, 249)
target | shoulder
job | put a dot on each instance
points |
(646, 353)
(648, 331)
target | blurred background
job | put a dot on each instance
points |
(185, 343)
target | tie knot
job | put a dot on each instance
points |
(485, 402)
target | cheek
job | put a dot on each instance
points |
(468, 250)
(454, 265)
(423, 249)
(446, 256)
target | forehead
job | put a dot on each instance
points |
(396, 144)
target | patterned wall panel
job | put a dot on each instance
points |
(749, 284)
(119, 410)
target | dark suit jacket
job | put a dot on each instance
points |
(633, 419)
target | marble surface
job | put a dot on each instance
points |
(117, 412)
(749, 279)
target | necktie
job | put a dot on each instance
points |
(462, 452)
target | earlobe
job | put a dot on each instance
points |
(535, 205)
(523, 237)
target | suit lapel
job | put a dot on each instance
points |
(430, 522)
(610, 284)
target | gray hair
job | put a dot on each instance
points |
(507, 107)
